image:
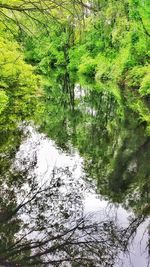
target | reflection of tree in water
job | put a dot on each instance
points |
(116, 151)
(41, 225)
(37, 238)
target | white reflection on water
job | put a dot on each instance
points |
(40, 157)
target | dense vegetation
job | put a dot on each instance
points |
(55, 45)
(48, 51)
(106, 41)
(44, 44)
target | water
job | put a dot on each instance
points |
(75, 185)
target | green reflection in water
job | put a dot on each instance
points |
(114, 142)
(101, 121)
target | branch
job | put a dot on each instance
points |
(17, 8)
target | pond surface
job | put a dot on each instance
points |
(75, 182)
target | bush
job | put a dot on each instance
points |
(103, 68)
(87, 66)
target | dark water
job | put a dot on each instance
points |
(75, 180)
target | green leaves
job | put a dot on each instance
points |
(14, 71)
(3, 100)
(145, 84)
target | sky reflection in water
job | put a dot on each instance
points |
(74, 196)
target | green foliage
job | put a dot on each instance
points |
(116, 41)
(103, 68)
(121, 63)
(3, 101)
(75, 57)
(15, 73)
(87, 66)
(145, 85)
(109, 123)
(113, 49)
(17, 80)
(139, 107)
(135, 76)
(50, 49)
